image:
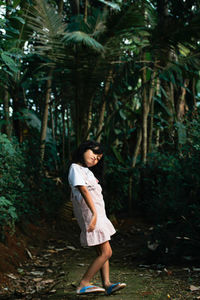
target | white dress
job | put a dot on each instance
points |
(79, 175)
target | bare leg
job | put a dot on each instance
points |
(98, 263)
(105, 276)
(105, 272)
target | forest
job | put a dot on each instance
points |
(123, 73)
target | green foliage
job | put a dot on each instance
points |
(25, 191)
(12, 203)
(48, 187)
(8, 61)
(169, 195)
(116, 185)
(78, 37)
(8, 214)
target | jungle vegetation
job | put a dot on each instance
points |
(124, 73)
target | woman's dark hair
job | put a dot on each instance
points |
(97, 149)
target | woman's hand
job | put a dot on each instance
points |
(92, 224)
(88, 199)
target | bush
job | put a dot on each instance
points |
(169, 195)
(116, 185)
(12, 200)
(8, 214)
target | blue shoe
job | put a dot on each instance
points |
(89, 289)
(115, 287)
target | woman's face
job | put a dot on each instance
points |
(91, 159)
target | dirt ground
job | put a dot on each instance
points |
(47, 263)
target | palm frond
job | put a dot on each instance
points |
(97, 23)
(48, 29)
(78, 37)
(111, 4)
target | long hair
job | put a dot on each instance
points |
(97, 149)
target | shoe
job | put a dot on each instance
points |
(115, 287)
(90, 289)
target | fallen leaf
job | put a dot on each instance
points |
(168, 271)
(29, 253)
(37, 273)
(187, 269)
(61, 249)
(49, 271)
(71, 248)
(194, 288)
(144, 266)
(20, 271)
(11, 276)
(74, 284)
(47, 281)
(196, 269)
(37, 279)
(52, 251)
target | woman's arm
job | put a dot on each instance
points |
(88, 199)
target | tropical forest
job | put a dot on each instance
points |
(125, 74)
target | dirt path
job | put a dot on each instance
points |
(143, 281)
(56, 269)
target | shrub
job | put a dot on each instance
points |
(169, 195)
(12, 202)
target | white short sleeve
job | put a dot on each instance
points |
(75, 176)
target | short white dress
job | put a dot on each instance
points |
(79, 175)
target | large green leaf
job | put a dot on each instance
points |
(21, 20)
(9, 62)
(81, 37)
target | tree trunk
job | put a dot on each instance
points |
(6, 113)
(181, 105)
(135, 155)
(151, 103)
(17, 115)
(52, 123)
(137, 147)
(69, 135)
(63, 137)
(45, 116)
(101, 120)
(103, 108)
(145, 111)
(86, 12)
(150, 137)
(60, 6)
(75, 6)
(194, 93)
(167, 55)
(6, 95)
(89, 123)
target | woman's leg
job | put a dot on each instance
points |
(98, 263)
(104, 271)
(105, 277)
